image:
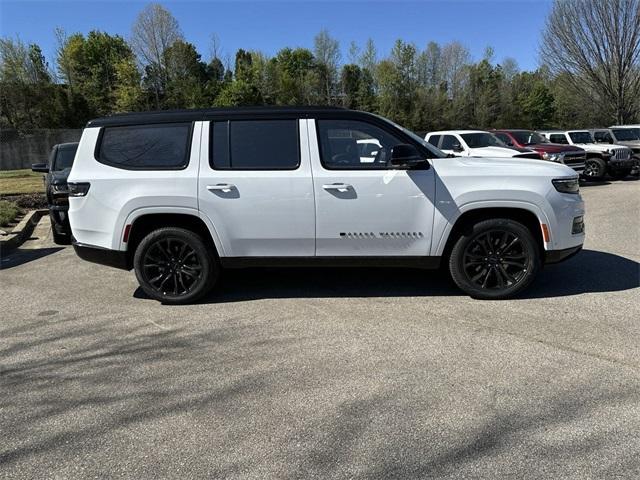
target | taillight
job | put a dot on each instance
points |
(78, 189)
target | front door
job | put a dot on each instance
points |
(255, 187)
(363, 206)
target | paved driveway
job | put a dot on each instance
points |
(326, 373)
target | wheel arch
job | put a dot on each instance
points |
(527, 217)
(145, 222)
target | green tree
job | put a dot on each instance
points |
(97, 67)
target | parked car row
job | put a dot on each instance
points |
(592, 153)
(180, 196)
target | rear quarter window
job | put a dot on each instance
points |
(145, 147)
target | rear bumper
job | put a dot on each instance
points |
(556, 256)
(103, 256)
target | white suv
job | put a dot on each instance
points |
(476, 143)
(181, 196)
(616, 160)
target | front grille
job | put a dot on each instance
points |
(575, 160)
(622, 154)
(535, 156)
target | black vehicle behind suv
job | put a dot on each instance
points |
(55, 181)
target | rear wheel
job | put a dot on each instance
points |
(495, 259)
(175, 265)
(594, 169)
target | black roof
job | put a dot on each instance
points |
(168, 116)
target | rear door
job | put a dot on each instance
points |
(255, 186)
(366, 208)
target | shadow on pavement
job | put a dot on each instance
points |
(588, 272)
(26, 255)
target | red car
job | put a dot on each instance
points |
(570, 155)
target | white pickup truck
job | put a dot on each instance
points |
(616, 160)
(180, 196)
(476, 143)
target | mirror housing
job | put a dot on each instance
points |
(406, 156)
(40, 168)
(457, 148)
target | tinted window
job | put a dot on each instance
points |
(161, 146)
(64, 158)
(504, 137)
(255, 145)
(342, 141)
(602, 137)
(449, 142)
(558, 138)
(580, 137)
(434, 139)
(481, 140)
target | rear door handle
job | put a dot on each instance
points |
(341, 187)
(221, 187)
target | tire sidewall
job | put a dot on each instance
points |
(205, 257)
(456, 266)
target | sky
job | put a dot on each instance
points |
(511, 27)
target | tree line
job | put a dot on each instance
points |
(582, 80)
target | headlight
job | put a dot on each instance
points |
(553, 157)
(566, 185)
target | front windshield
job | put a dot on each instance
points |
(529, 138)
(482, 139)
(581, 137)
(434, 151)
(64, 159)
(626, 134)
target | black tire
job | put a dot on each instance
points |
(175, 266)
(58, 238)
(595, 169)
(620, 174)
(495, 259)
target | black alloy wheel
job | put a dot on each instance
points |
(175, 265)
(494, 259)
(171, 266)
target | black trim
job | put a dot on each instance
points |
(399, 261)
(556, 256)
(184, 165)
(103, 256)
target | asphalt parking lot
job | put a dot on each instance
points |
(326, 373)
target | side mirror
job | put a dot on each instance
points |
(40, 168)
(457, 147)
(406, 156)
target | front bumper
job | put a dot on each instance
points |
(103, 256)
(621, 164)
(556, 256)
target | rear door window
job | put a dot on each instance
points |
(145, 147)
(434, 140)
(255, 145)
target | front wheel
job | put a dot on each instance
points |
(175, 266)
(594, 169)
(495, 259)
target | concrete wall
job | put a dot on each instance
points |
(20, 150)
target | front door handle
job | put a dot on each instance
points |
(221, 187)
(341, 187)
